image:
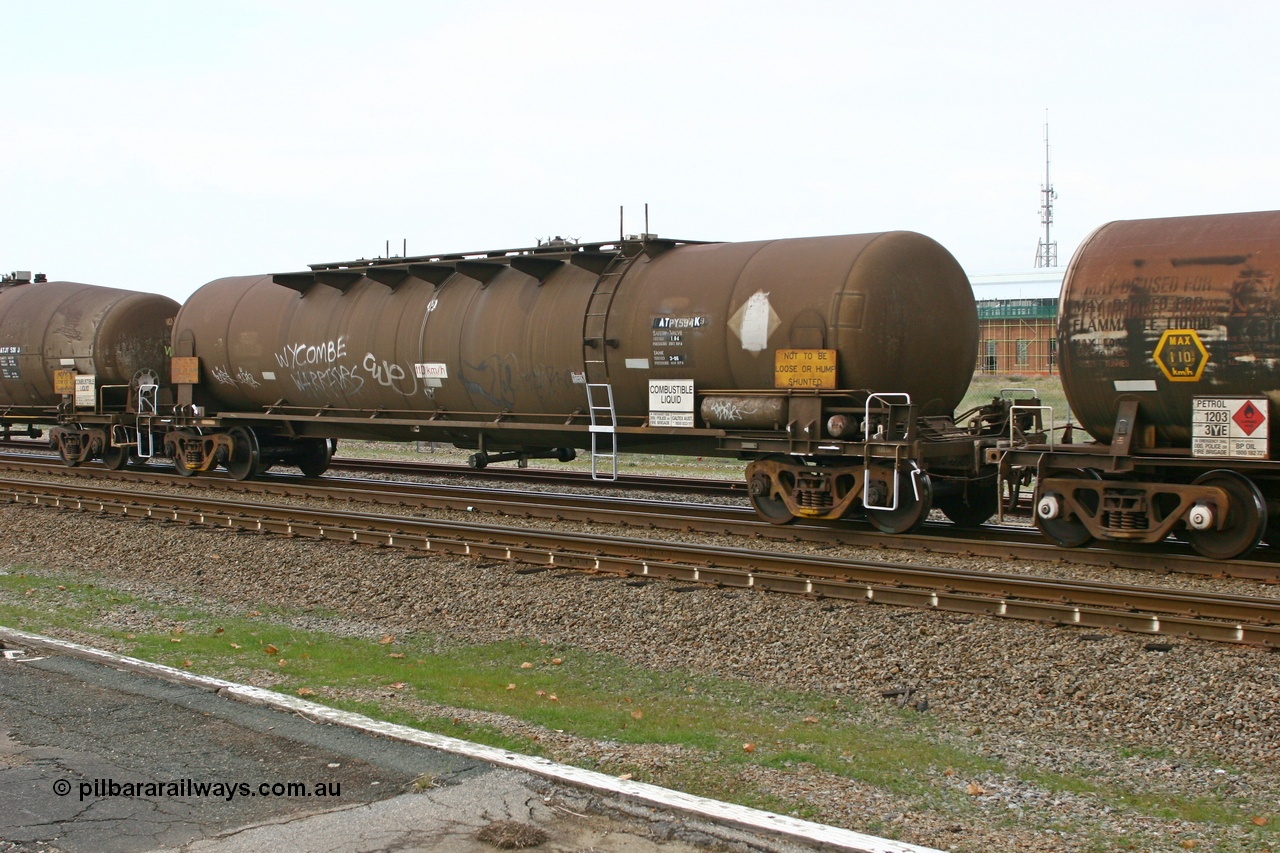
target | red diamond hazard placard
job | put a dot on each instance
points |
(1248, 418)
(1230, 427)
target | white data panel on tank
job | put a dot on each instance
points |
(1230, 427)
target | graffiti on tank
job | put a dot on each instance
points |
(492, 379)
(725, 410)
(547, 381)
(496, 380)
(244, 377)
(318, 367)
(303, 355)
(390, 375)
(222, 375)
(343, 379)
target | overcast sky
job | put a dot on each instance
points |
(158, 145)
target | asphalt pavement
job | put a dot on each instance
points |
(102, 758)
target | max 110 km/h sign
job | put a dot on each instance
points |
(1180, 355)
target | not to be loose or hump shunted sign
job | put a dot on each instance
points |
(804, 368)
(1230, 427)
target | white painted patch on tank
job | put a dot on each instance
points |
(754, 322)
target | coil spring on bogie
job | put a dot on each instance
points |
(813, 498)
(1124, 510)
(1124, 520)
(813, 492)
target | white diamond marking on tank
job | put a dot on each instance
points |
(754, 322)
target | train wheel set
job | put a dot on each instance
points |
(831, 366)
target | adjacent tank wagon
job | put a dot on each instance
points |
(102, 332)
(1170, 359)
(67, 347)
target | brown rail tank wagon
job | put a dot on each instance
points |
(835, 363)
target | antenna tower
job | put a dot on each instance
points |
(1047, 251)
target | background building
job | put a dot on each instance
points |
(1018, 321)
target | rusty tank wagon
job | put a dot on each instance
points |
(1170, 359)
(69, 348)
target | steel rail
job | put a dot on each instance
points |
(1145, 610)
(941, 538)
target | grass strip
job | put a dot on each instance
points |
(715, 737)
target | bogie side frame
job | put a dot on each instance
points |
(1128, 491)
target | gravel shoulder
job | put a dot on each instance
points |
(1196, 722)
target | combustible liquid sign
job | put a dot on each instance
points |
(804, 368)
(1230, 427)
(85, 391)
(671, 403)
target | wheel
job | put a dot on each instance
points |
(1068, 532)
(315, 458)
(912, 509)
(180, 468)
(116, 458)
(973, 506)
(244, 460)
(478, 460)
(760, 489)
(771, 509)
(565, 454)
(1246, 518)
(67, 459)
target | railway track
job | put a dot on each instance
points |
(538, 476)
(1139, 609)
(934, 538)
(545, 476)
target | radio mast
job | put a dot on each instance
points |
(1047, 251)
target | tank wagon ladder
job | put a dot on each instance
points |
(900, 463)
(599, 427)
(148, 410)
(594, 343)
